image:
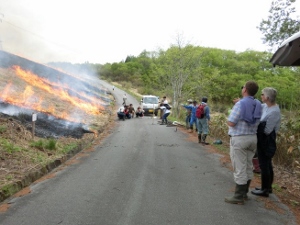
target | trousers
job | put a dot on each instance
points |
(242, 150)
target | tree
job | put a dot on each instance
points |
(179, 63)
(280, 25)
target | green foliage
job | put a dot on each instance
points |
(280, 25)
(126, 85)
(44, 144)
(193, 72)
(37, 144)
(9, 189)
(8, 146)
(3, 129)
(51, 144)
(69, 147)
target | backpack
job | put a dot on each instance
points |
(200, 111)
(167, 106)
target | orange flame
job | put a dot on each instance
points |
(31, 98)
(44, 84)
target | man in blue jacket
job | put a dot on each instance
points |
(193, 119)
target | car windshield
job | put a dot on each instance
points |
(150, 100)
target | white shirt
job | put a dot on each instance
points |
(165, 101)
(165, 110)
(121, 109)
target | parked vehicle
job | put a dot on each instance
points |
(149, 104)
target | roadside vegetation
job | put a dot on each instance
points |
(183, 71)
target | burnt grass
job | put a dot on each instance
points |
(48, 125)
(21, 163)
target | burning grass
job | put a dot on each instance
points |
(71, 112)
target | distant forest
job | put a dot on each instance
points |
(189, 72)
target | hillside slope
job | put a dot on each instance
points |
(72, 111)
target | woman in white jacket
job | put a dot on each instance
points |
(166, 113)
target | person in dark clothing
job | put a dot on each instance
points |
(139, 112)
(120, 113)
(266, 140)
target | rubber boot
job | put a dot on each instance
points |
(256, 168)
(265, 183)
(191, 129)
(247, 190)
(238, 197)
(199, 138)
(203, 139)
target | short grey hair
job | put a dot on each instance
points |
(270, 93)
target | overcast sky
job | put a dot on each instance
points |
(108, 30)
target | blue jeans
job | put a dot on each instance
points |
(193, 121)
(187, 121)
(121, 115)
(164, 118)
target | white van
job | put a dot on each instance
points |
(149, 103)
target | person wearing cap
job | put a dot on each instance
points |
(193, 120)
(203, 128)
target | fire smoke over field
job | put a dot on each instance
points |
(29, 86)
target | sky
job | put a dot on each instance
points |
(108, 31)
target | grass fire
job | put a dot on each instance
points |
(63, 102)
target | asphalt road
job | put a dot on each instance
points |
(143, 173)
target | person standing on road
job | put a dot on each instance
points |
(188, 114)
(166, 113)
(193, 119)
(243, 122)
(165, 101)
(203, 123)
(124, 99)
(266, 139)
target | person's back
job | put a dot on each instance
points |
(203, 121)
(166, 113)
(243, 122)
(120, 113)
